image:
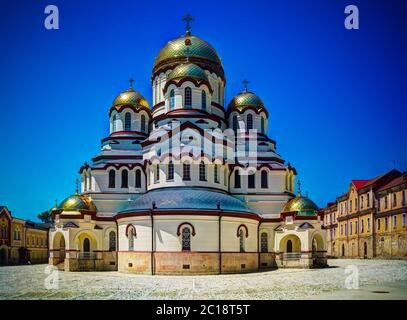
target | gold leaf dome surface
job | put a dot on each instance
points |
(246, 99)
(304, 206)
(130, 97)
(187, 70)
(77, 202)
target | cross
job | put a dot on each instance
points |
(299, 187)
(245, 82)
(188, 18)
(131, 80)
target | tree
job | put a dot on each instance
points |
(45, 216)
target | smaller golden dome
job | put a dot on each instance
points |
(77, 202)
(304, 206)
(188, 70)
(130, 97)
(244, 100)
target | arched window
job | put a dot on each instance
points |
(263, 128)
(143, 123)
(216, 173)
(241, 240)
(112, 178)
(289, 246)
(86, 245)
(172, 99)
(186, 171)
(251, 181)
(394, 199)
(234, 123)
(264, 179)
(264, 242)
(188, 98)
(203, 98)
(138, 179)
(202, 171)
(112, 241)
(170, 174)
(225, 177)
(114, 122)
(186, 239)
(125, 179)
(131, 238)
(249, 122)
(157, 173)
(127, 121)
(237, 179)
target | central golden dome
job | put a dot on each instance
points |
(187, 70)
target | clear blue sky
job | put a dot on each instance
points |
(336, 98)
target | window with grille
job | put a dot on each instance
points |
(186, 239)
(264, 242)
(186, 171)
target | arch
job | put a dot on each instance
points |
(187, 98)
(86, 245)
(128, 227)
(249, 122)
(172, 99)
(170, 173)
(317, 242)
(127, 121)
(59, 245)
(125, 178)
(186, 224)
(203, 98)
(112, 178)
(186, 171)
(242, 226)
(138, 178)
(202, 171)
(290, 243)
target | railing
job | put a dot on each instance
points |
(288, 256)
(86, 255)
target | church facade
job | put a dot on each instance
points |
(191, 185)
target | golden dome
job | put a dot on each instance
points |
(130, 97)
(195, 49)
(187, 70)
(304, 206)
(77, 202)
(246, 99)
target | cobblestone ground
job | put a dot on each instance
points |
(30, 282)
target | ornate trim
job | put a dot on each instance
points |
(246, 229)
(188, 224)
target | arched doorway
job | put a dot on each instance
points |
(59, 247)
(86, 245)
(62, 249)
(365, 249)
(343, 250)
(289, 246)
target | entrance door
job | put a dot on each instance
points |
(3, 257)
(86, 245)
(365, 249)
(289, 246)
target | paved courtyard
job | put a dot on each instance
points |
(378, 279)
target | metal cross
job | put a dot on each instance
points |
(188, 19)
(77, 184)
(131, 80)
(299, 186)
(245, 82)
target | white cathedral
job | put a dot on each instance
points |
(187, 186)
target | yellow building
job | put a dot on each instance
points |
(359, 220)
(22, 241)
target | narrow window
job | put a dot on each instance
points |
(186, 171)
(187, 98)
(394, 199)
(112, 241)
(404, 220)
(361, 202)
(170, 175)
(225, 177)
(378, 224)
(289, 246)
(264, 180)
(241, 240)
(263, 130)
(127, 121)
(395, 222)
(403, 198)
(264, 242)
(368, 224)
(172, 99)
(202, 171)
(125, 179)
(203, 97)
(234, 123)
(251, 183)
(157, 173)
(138, 179)
(143, 123)
(385, 202)
(249, 122)
(114, 122)
(131, 239)
(237, 179)
(112, 179)
(186, 239)
(386, 223)
(216, 173)
(368, 200)
(86, 245)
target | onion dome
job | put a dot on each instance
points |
(77, 202)
(191, 47)
(188, 71)
(302, 205)
(246, 100)
(130, 98)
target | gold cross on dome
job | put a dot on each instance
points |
(188, 19)
(131, 80)
(245, 82)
